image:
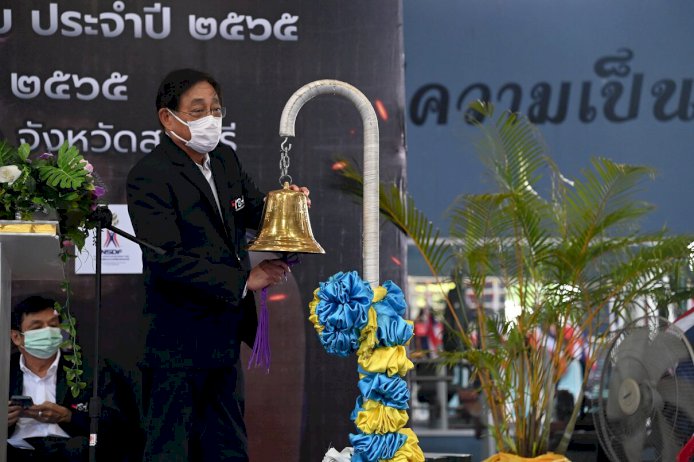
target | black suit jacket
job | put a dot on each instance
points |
(194, 291)
(119, 436)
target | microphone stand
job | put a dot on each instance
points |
(103, 217)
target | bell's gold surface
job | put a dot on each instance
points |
(285, 224)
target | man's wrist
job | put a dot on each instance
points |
(66, 417)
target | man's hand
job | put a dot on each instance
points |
(13, 413)
(48, 413)
(266, 273)
(302, 189)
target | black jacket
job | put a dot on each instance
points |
(194, 291)
(119, 419)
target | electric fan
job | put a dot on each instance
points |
(645, 403)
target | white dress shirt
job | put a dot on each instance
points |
(41, 390)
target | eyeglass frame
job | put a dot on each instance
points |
(204, 113)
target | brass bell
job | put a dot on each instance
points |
(285, 224)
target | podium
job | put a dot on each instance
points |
(29, 250)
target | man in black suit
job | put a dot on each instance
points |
(191, 197)
(56, 426)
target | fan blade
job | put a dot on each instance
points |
(633, 368)
(678, 392)
(634, 344)
(665, 352)
(633, 444)
(666, 439)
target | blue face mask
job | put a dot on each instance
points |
(43, 343)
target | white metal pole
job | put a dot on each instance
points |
(371, 240)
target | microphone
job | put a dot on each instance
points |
(104, 217)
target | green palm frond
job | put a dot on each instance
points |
(516, 221)
(477, 224)
(513, 150)
(69, 173)
(605, 200)
(648, 266)
(399, 208)
(8, 154)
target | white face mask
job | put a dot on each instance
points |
(204, 133)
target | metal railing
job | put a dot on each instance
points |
(437, 383)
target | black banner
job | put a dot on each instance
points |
(87, 72)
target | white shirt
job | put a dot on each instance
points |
(41, 390)
(207, 173)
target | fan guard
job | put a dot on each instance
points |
(645, 403)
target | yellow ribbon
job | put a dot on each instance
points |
(367, 337)
(379, 294)
(410, 451)
(313, 318)
(388, 360)
(380, 419)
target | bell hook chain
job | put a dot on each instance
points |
(284, 162)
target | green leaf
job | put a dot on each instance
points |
(70, 197)
(74, 389)
(69, 172)
(8, 154)
(24, 151)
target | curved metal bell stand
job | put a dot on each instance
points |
(371, 237)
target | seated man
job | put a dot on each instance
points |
(56, 426)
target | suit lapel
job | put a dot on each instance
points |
(16, 377)
(195, 176)
(61, 382)
(223, 192)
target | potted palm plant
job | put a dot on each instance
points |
(569, 253)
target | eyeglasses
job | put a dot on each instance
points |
(200, 113)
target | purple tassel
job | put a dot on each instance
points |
(261, 346)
